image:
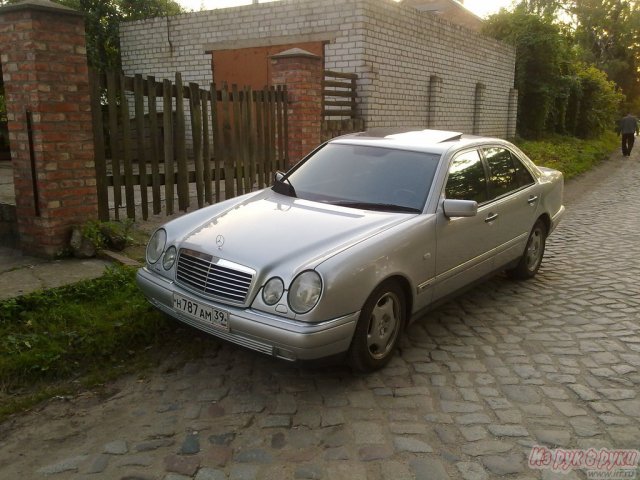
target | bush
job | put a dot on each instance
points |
(570, 155)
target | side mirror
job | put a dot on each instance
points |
(278, 176)
(460, 208)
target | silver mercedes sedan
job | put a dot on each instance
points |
(354, 242)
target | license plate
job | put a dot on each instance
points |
(204, 313)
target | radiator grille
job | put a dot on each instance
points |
(213, 277)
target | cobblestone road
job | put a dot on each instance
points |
(554, 361)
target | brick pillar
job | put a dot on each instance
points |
(44, 66)
(478, 106)
(434, 101)
(512, 114)
(302, 72)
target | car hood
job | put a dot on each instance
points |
(270, 229)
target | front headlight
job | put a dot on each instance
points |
(305, 291)
(169, 258)
(156, 245)
(272, 291)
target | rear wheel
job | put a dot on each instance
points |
(379, 326)
(532, 257)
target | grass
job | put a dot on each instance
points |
(570, 155)
(75, 336)
(61, 341)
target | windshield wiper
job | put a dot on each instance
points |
(282, 185)
(386, 207)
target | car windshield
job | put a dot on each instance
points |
(366, 177)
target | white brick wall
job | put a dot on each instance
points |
(393, 48)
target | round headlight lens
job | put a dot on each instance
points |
(272, 291)
(156, 244)
(169, 258)
(305, 291)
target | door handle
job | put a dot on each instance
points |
(533, 199)
(491, 218)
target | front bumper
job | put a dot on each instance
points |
(269, 334)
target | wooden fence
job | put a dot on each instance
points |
(214, 145)
(339, 114)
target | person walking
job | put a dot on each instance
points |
(628, 128)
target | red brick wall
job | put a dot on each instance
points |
(302, 73)
(45, 72)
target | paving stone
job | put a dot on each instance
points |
(367, 433)
(396, 470)
(488, 392)
(222, 438)
(629, 407)
(522, 394)
(617, 393)
(504, 464)
(557, 393)
(537, 410)
(285, 405)
(446, 434)
(218, 455)
(370, 453)
(191, 444)
(471, 434)
(277, 421)
(472, 471)
(553, 438)
(98, 464)
(438, 418)
(459, 407)
(256, 455)
(244, 472)
(71, 464)
(181, 464)
(154, 444)
(509, 416)
(570, 409)
(411, 444)
(339, 453)
(508, 430)
(585, 426)
(408, 428)
(486, 447)
(141, 460)
(175, 476)
(497, 403)
(311, 472)
(210, 474)
(428, 469)
(117, 447)
(335, 438)
(472, 419)
(584, 392)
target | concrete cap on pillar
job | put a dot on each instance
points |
(296, 52)
(41, 5)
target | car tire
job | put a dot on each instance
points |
(379, 327)
(532, 257)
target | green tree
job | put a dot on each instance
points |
(102, 21)
(606, 33)
(542, 77)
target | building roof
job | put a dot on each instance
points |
(451, 10)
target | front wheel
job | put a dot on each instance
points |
(378, 329)
(532, 257)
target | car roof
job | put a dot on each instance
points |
(429, 141)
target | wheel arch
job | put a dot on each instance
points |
(546, 220)
(405, 286)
